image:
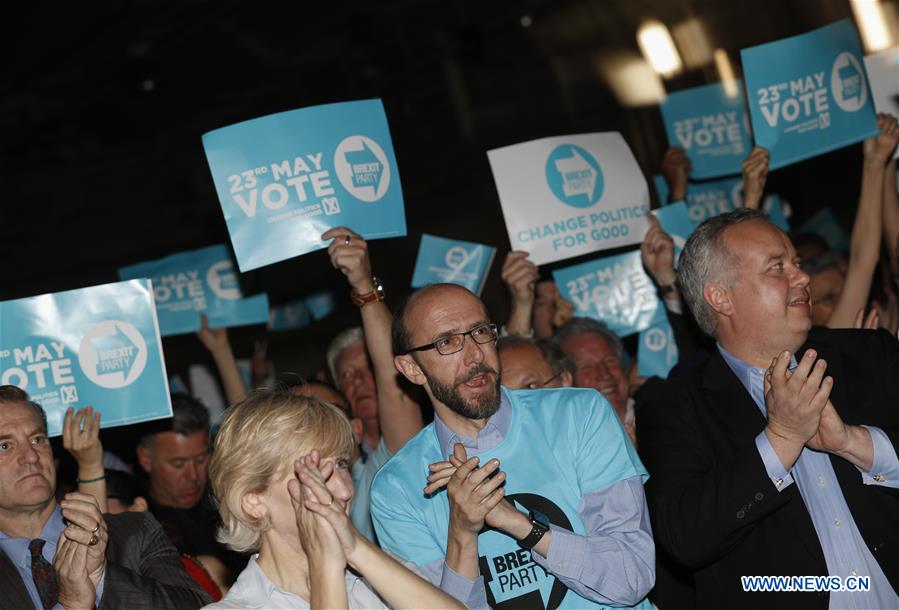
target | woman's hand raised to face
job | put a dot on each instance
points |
(319, 498)
(318, 538)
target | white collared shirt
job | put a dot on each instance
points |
(253, 589)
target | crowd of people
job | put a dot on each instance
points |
(551, 475)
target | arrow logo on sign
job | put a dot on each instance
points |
(578, 178)
(116, 353)
(366, 168)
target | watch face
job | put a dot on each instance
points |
(539, 517)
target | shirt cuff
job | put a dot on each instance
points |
(885, 466)
(779, 475)
(566, 555)
(469, 592)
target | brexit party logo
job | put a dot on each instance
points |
(362, 168)
(222, 280)
(457, 257)
(574, 176)
(847, 83)
(513, 580)
(113, 354)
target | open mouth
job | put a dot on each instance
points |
(802, 301)
(478, 381)
(607, 390)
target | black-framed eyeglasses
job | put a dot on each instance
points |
(536, 386)
(450, 344)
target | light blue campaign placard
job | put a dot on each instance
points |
(200, 281)
(321, 304)
(289, 316)
(711, 126)
(284, 179)
(615, 290)
(825, 224)
(713, 197)
(676, 222)
(95, 346)
(808, 94)
(657, 351)
(449, 260)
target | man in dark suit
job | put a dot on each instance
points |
(777, 458)
(69, 555)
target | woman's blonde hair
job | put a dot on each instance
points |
(259, 440)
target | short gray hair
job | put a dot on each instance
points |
(12, 394)
(340, 343)
(579, 326)
(706, 259)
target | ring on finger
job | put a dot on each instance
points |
(96, 529)
(95, 539)
(346, 240)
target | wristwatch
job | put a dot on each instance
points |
(361, 300)
(539, 527)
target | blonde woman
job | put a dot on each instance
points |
(280, 472)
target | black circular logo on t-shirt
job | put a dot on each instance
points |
(517, 567)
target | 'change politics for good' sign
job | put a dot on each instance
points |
(883, 73)
(808, 94)
(284, 179)
(711, 126)
(95, 346)
(569, 195)
(200, 281)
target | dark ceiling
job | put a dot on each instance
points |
(103, 105)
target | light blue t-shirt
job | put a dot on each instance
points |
(561, 445)
(362, 472)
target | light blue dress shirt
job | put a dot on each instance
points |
(844, 548)
(17, 551)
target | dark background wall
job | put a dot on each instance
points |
(103, 105)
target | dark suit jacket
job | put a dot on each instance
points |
(143, 570)
(713, 506)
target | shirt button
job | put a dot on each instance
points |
(854, 572)
(836, 523)
(560, 566)
(821, 482)
(879, 477)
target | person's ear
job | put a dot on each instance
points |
(139, 505)
(145, 458)
(409, 369)
(718, 298)
(253, 505)
(356, 423)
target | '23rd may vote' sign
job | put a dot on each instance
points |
(711, 126)
(615, 290)
(570, 195)
(94, 346)
(284, 179)
(201, 281)
(808, 94)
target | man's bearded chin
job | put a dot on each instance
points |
(481, 407)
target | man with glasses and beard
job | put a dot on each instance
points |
(510, 498)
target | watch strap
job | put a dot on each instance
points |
(539, 527)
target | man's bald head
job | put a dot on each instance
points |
(424, 299)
